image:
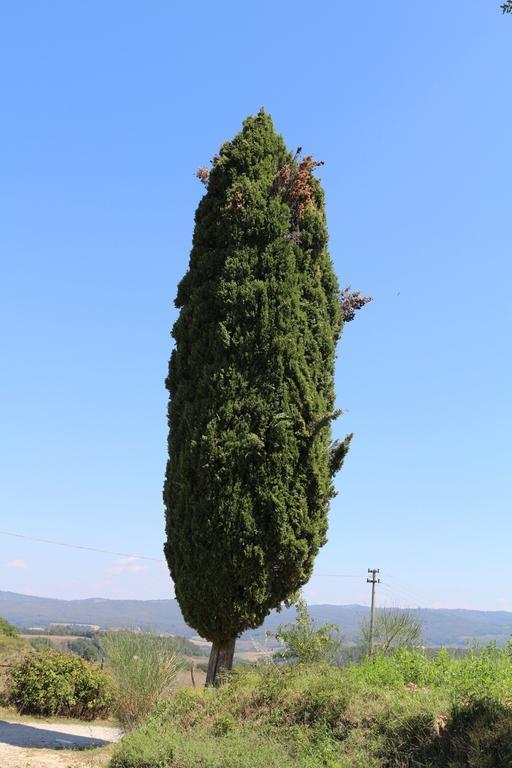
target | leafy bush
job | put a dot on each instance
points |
(303, 641)
(484, 675)
(12, 650)
(48, 682)
(143, 672)
(403, 667)
(6, 629)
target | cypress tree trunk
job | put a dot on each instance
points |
(221, 658)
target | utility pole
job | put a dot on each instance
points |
(373, 581)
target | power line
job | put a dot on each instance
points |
(388, 600)
(404, 598)
(396, 598)
(404, 586)
(339, 575)
(407, 593)
(81, 546)
(393, 587)
(139, 557)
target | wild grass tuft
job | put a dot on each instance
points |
(143, 671)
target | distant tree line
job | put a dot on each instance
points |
(89, 647)
(78, 630)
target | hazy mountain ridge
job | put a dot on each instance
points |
(442, 626)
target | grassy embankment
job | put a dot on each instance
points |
(402, 711)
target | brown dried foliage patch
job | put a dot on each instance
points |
(203, 174)
(351, 301)
(296, 180)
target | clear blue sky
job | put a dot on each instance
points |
(107, 111)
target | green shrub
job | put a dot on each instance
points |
(39, 643)
(312, 695)
(143, 672)
(402, 667)
(6, 629)
(48, 682)
(305, 642)
(483, 675)
(405, 729)
(12, 650)
(150, 746)
(479, 736)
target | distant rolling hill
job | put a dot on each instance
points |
(440, 626)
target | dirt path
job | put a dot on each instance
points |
(54, 745)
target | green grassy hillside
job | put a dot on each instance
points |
(403, 711)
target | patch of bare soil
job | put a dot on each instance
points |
(54, 745)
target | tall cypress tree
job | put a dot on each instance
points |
(251, 461)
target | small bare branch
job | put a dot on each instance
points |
(394, 628)
(351, 301)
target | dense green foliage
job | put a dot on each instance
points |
(250, 467)
(6, 629)
(399, 711)
(48, 682)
